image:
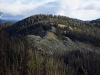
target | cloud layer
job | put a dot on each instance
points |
(81, 9)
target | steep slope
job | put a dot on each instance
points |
(49, 42)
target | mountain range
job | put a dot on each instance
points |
(3, 21)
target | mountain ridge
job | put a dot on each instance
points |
(37, 23)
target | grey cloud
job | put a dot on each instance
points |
(90, 6)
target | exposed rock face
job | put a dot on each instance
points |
(49, 42)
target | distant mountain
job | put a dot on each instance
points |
(3, 21)
(78, 20)
(98, 19)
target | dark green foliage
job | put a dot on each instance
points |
(84, 37)
(88, 60)
(18, 58)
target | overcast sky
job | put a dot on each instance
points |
(80, 9)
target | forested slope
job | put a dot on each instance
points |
(26, 46)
